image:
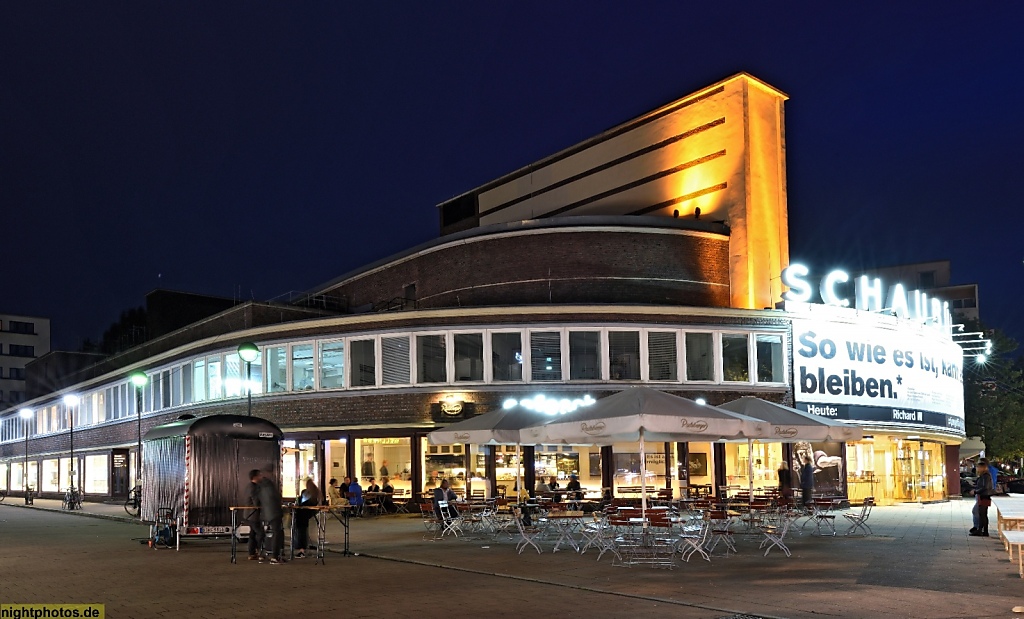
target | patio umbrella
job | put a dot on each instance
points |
(639, 414)
(500, 427)
(789, 425)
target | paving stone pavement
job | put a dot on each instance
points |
(919, 563)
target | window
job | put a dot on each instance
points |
(232, 375)
(969, 303)
(507, 356)
(302, 367)
(277, 370)
(394, 360)
(16, 373)
(364, 363)
(735, 367)
(199, 380)
(214, 382)
(332, 365)
(431, 364)
(584, 355)
(661, 355)
(16, 326)
(165, 392)
(186, 383)
(469, 356)
(20, 350)
(175, 386)
(95, 475)
(700, 357)
(770, 368)
(624, 355)
(546, 355)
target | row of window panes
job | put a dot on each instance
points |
(580, 354)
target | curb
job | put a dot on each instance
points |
(80, 513)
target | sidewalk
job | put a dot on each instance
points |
(94, 510)
(919, 563)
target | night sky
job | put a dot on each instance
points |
(253, 148)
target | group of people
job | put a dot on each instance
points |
(573, 489)
(806, 477)
(266, 523)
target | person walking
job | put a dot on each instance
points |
(310, 497)
(785, 483)
(254, 521)
(807, 481)
(268, 500)
(983, 491)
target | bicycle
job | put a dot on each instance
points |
(3, 495)
(133, 504)
(72, 499)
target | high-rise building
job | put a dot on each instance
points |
(22, 339)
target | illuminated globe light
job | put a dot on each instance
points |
(509, 403)
(71, 400)
(551, 406)
(981, 358)
(701, 401)
(26, 413)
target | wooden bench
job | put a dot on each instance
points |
(1015, 538)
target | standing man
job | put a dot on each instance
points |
(807, 481)
(255, 523)
(268, 499)
(983, 491)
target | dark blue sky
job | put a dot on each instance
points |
(267, 147)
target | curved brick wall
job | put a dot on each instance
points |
(573, 264)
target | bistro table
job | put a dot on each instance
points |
(341, 512)
(565, 524)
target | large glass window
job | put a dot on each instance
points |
(51, 476)
(431, 364)
(302, 367)
(661, 355)
(176, 386)
(233, 376)
(624, 355)
(389, 457)
(507, 356)
(96, 475)
(186, 383)
(214, 381)
(277, 369)
(394, 360)
(735, 367)
(199, 380)
(584, 355)
(3, 477)
(469, 357)
(255, 370)
(770, 368)
(546, 355)
(700, 357)
(332, 365)
(364, 363)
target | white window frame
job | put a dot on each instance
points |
(453, 374)
(318, 364)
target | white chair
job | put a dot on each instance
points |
(693, 539)
(859, 521)
(527, 534)
(775, 534)
(451, 521)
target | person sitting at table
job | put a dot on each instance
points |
(387, 501)
(541, 487)
(310, 497)
(444, 493)
(552, 486)
(574, 488)
(344, 486)
(372, 486)
(334, 497)
(355, 497)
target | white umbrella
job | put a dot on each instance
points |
(788, 424)
(500, 427)
(639, 414)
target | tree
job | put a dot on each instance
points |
(994, 396)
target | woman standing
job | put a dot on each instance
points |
(785, 482)
(310, 497)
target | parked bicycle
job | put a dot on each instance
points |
(133, 504)
(72, 499)
(3, 495)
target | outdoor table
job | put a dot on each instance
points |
(1009, 516)
(565, 524)
(342, 513)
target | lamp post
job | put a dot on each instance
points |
(139, 380)
(70, 401)
(248, 352)
(26, 414)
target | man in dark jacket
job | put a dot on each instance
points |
(253, 517)
(268, 498)
(983, 491)
(807, 481)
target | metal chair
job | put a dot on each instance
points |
(694, 539)
(451, 520)
(859, 521)
(527, 534)
(775, 534)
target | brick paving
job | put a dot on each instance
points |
(919, 563)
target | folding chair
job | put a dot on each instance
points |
(400, 501)
(451, 521)
(720, 532)
(859, 521)
(775, 535)
(430, 521)
(527, 533)
(694, 538)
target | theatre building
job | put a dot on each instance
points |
(650, 254)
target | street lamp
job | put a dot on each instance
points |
(70, 401)
(26, 415)
(248, 352)
(139, 379)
